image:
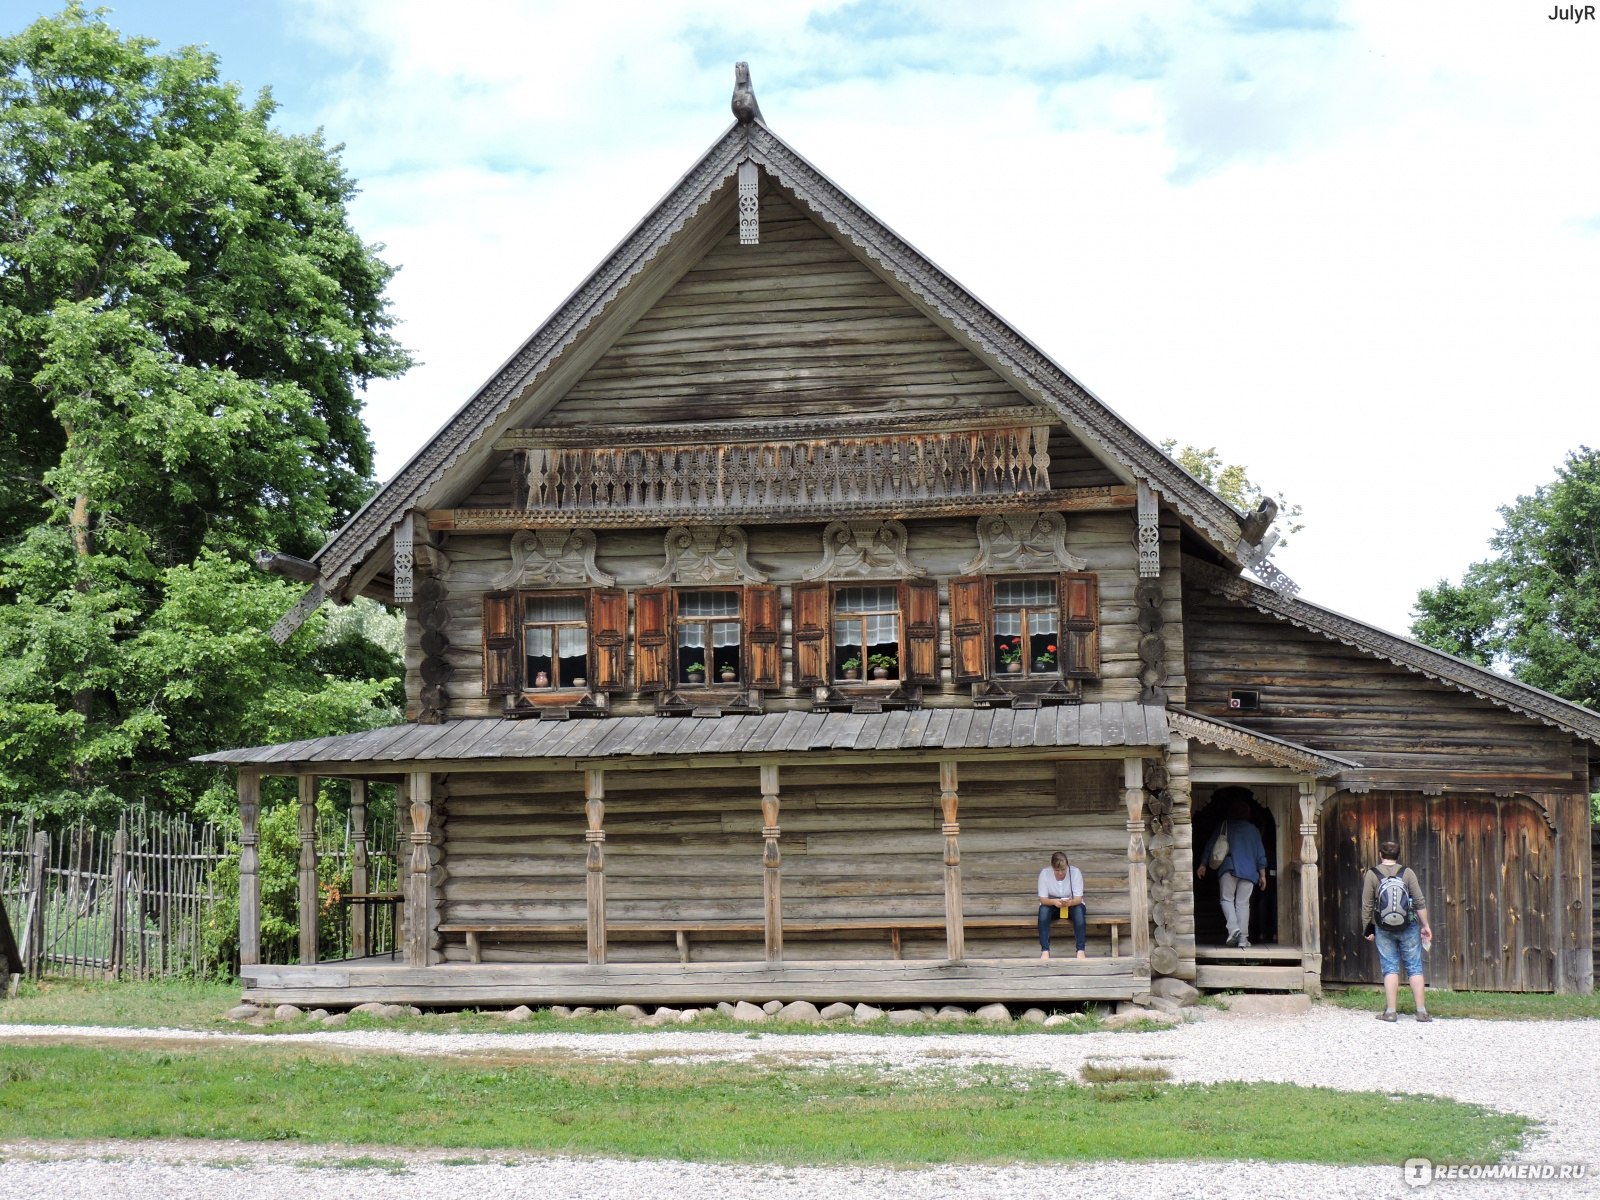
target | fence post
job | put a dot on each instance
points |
(119, 899)
(33, 931)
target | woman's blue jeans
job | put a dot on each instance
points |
(1080, 924)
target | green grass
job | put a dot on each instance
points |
(1489, 1006)
(746, 1112)
(157, 1004)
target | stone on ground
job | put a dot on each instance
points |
(1055, 1019)
(835, 1011)
(800, 1010)
(1266, 1004)
(771, 1006)
(907, 1016)
(560, 1010)
(520, 1013)
(1032, 1016)
(724, 1009)
(583, 1010)
(745, 1011)
(1174, 989)
(286, 1012)
(335, 1020)
(994, 1014)
(866, 1012)
(632, 1011)
(242, 1012)
(951, 1012)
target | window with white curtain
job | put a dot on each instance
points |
(710, 632)
(555, 640)
(866, 631)
(1026, 622)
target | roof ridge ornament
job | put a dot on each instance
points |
(745, 108)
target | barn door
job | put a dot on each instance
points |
(1487, 866)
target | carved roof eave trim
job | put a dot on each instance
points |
(1073, 403)
(1261, 746)
(362, 533)
(1403, 652)
(1039, 376)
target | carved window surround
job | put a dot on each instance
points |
(795, 466)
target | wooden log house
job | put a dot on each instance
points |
(777, 609)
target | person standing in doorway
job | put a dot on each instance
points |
(1061, 891)
(1397, 922)
(1243, 867)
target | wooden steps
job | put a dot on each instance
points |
(1254, 969)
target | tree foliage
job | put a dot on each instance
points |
(1534, 607)
(1232, 482)
(186, 318)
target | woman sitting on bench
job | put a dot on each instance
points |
(1061, 890)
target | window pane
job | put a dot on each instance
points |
(1007, 624)
(1030, 592)
(866, 599)
(556, 608)
(725, 633)
(539, 641)
(708, 604)
(882, 631)
(847, 633)
(692, 636)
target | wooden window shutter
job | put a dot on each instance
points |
(1080, 625)
(762, 616)
(969, 628)
(811, 629)
(652, 629)
(502, 674)
(919, 607)
(608, 635)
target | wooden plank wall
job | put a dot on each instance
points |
(478, 563)
(856, 842)
(792, 327)
(1594, 899)
(1488, 867)
(1321, 693)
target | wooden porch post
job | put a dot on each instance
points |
(1310, 901)
(594, 808)
(308, 868)
(1138, 887)
(772, 864)
(419, 879)
(249, 869)
(358, 867)
(955, 940)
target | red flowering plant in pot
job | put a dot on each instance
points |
(1011, 655)
(1045, 661)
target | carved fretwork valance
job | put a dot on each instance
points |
(794, 467)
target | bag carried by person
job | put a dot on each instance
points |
(1219, 849)
(1391, 907)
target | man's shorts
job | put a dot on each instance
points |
(1397, 945)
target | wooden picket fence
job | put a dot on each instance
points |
(132, 903)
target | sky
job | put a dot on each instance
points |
(1352, 245)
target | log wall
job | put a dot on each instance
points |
(855, 843)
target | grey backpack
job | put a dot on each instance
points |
(1392, 905)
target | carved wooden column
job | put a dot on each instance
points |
(358, 868)
(1310, 901)
(772, 864)
(955, 939)
(249, 869)
(309, 918)
(1138, 885)
(419, 878)
(594, 809)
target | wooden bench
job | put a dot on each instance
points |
(680, 930)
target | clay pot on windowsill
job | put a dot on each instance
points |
(1042, 667)
(880, 672)
(541, 680)
(729, 676)
(580, 682)
(695, 676)
(852, 673)
(1014, 668)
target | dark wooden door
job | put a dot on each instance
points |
(1487, 866)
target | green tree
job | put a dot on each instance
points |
(186, 320)
(1232, 482)
(1533, 608)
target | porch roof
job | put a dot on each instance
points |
(933, 730)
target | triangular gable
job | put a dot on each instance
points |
(1414, 656)
(1261, 746)
(1011, 356)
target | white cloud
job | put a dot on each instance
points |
(1357, 255)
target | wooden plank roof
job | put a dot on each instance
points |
(665, 738)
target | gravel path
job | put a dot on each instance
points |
(1547, 1070)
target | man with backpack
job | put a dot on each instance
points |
(1394, 914)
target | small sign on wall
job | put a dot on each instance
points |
(1244, 700)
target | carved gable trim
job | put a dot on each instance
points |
(1260, 746)
(706, 554)
(1032, 541)
(554, 558)
(864, 550)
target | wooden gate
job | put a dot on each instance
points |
(1487, 866)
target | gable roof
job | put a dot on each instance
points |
(1414, 656)
(1012, 356)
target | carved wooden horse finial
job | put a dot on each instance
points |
(745, 108)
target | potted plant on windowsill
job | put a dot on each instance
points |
(1047, 660)
(695, 673)
(1011, 655)
(728, 675)
(850, 668)
(881, 665)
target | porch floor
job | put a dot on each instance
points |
(471, 985)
